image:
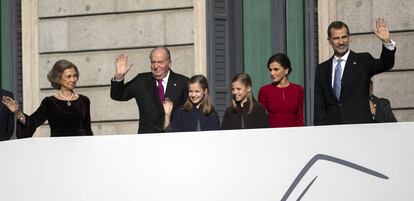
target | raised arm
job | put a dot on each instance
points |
(119, 90)
(382, 30)
(168, 107)
(121, 66)
(13, 106)
(387, 58)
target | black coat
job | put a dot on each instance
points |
(144, 89)
(64, 120)
(183, 120)
(6, 118)
(233, 118)
(383, 112)
(353, 105)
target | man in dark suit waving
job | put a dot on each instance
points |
(149, 89)
(6, 118)
(342, 82)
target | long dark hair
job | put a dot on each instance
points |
(208, 107)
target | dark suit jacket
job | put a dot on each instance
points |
(383, 111)
(144, 89)
(353, 105)
(6, 118)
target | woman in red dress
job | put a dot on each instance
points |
(282, 99)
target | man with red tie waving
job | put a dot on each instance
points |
(149, 89)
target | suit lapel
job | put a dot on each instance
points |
(172, 84)
(329, 78)
(350, 66)
(153, 90)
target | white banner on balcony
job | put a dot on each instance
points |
(349, 162)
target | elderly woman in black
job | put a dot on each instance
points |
(66, 111)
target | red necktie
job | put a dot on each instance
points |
(160, 89)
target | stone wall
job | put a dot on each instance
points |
(397, 84)
(92, 33)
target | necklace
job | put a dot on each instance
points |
(67, 100)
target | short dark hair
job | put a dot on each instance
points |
(282, 59)
(163, 48)
(55, 74)
(337, 25)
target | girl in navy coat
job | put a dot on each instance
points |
(197, 113)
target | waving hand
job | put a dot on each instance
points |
(382, 30)
(122, 66)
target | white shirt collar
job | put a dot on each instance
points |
(165, 80)
(335, 61)
(344, 58)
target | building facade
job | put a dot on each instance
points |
(217, 38)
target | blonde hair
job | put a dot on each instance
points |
(208, 107)
(244, 78)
